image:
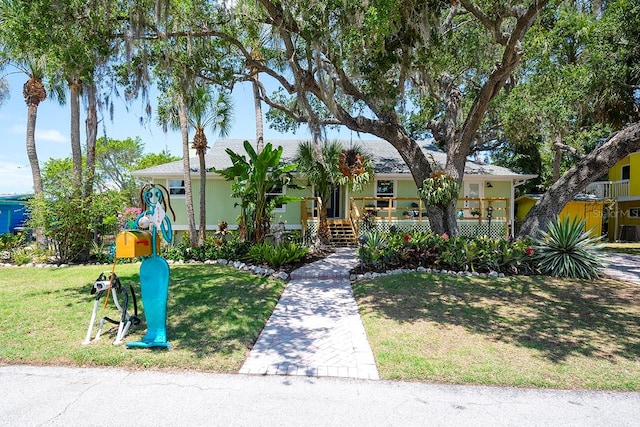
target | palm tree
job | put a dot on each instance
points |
(34, 93)
(172, 113)
(206, 110)
(254, 74)
(321, 165)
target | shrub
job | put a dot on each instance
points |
(278, 255)
(566, 250)
(218, 246)
(383, 251)
(374, 251)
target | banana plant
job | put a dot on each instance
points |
(254, 176)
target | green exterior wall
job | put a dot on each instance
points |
(220, 204)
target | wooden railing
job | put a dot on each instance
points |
(407, 208)
(309, 210)
(393, 209)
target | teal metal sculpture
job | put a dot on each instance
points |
(154, 271)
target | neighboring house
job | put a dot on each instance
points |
(486, 197)
(584, 206)
(13, 212)
(623, 191)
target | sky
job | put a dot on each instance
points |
(53, 122)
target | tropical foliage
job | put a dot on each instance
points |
(566, 249)
(326, 166)
(439, 189)
(277, 255)
(227, 246)
(254, 177)
(387, 251)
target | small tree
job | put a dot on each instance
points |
(329, 165)
(69, 220)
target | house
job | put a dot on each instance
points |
(584, 206)
(486, 203)
(623, 191)
(13, 212)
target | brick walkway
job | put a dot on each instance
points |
(315, 329)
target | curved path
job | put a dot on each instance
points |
(315, 329)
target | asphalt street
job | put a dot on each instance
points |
(61, 396)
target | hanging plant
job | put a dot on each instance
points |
(439, 189)
(351, 162)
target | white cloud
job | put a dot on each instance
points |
(52, 135)
(15, 178)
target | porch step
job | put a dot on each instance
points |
(342, 233)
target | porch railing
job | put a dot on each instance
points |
(609, 189)
(476, 212)
(309, 210)
(470, 210)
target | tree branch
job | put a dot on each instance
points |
(576, 179)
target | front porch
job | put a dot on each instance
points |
(476, 217)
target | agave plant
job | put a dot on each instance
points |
(567, 250)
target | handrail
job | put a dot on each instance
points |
(469, 208)
(391, 209)
(314, 214)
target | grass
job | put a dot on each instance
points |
(214, 315)
(514, 331)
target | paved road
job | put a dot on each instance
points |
(624, 267)
(58, 396)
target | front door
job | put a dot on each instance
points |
(333, 207)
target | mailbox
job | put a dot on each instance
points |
(133, 244)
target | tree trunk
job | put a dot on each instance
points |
(258, 108)
(557, 158)
(594, 165)
(203, 210)
(76, 147)
(188, 195)
(324, 234)
(32, 114)
(91, 124)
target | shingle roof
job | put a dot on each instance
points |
(386, 159)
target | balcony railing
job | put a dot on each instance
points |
(609, 189)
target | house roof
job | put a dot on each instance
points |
(386, 159)
(21, 198)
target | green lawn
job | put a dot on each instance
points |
(515, 331)
(214, 316)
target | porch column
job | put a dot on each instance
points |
(347, 205)
(615, 231)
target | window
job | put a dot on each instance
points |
(626, 171)
(385, 188)
(176, 187)
(274, 192)
(472, 190)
